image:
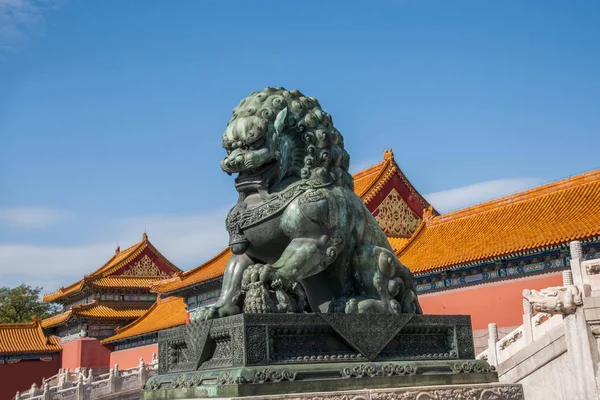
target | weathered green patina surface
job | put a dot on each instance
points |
(301, 238)
(302, 241)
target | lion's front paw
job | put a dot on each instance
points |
(258, 273)
(203, 314)
(257, 299)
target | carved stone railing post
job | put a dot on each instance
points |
(33, 390)
(80, 388)
(142, 372)
(90, 377)
(527, 325)
(583, 354)
(580, 341)
(492, 340)
(112, 381)
(46, 392)
(116, 369)
(576, 258)
(61, 377)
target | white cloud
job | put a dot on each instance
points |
(461, 197)
(19, 18)
(186, 240)
(29, 217)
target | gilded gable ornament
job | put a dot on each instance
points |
(145, 267)
(395, 216)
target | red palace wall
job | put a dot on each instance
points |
(499, 302)
(85, 352)
(20, 376)
(131, 357)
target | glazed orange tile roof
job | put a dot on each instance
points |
(124, 281)
(213, 268)
(56, 319)
(98, 310)
(26, 338)
(398, 243)
(548, 215)
(368, 183)
(165, 313)
(120, 259)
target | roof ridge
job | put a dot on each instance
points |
(534, 192)
(206, 263)
(411, 187)
(381, 168)
(139, 319)
(38, 327)
(82, 307)
(367, 170)
(16, 325)
(163, 258)
(116, 255)
(63, 288)
(108, 269)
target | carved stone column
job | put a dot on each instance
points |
(46, 394)
(583, 354)
(576, 258)
(527, 325)
(112, 381)
(142, 372)
(80, 389)
(492, 349)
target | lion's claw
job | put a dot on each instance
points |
(204, 313)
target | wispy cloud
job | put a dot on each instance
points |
(19, 19)
(186, 240)
(448, 200)
(29, 217)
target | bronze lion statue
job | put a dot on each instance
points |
(301, 239)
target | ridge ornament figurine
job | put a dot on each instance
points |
(301, 239)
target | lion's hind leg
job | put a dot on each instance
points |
(380, 273)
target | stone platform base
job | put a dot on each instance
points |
(326, 377)
(250, 355)
(454, 392)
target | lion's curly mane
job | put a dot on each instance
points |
(308, 146)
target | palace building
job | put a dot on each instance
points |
(474, 261)
(26, 352)
(115, 295)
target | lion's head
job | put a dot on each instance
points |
(275, 134)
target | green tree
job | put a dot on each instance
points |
(22, 303)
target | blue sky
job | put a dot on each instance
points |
(111, 112)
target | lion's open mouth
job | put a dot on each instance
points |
(257, 178)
